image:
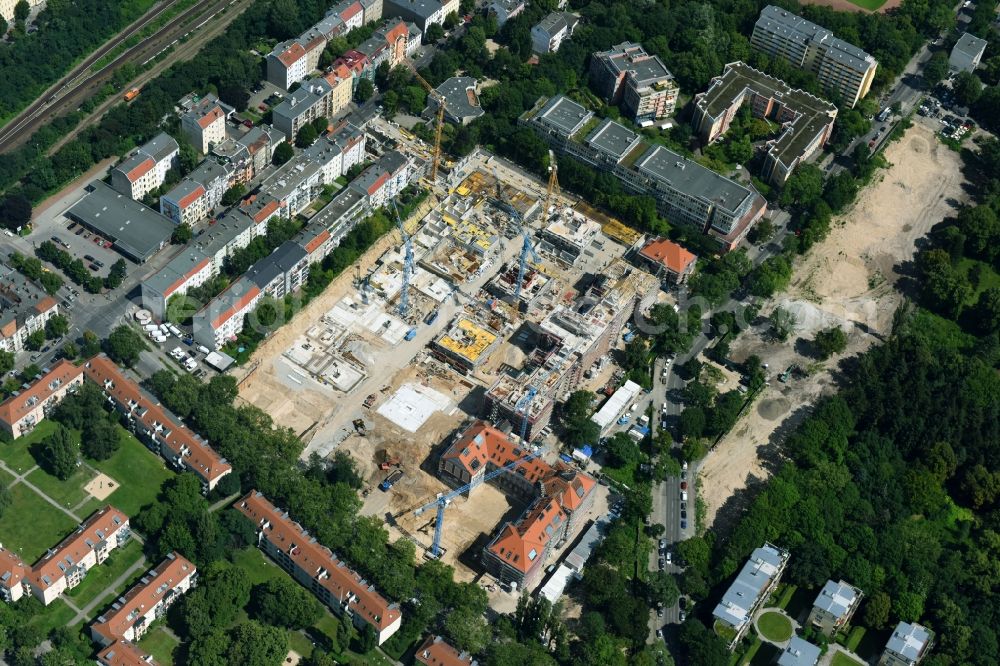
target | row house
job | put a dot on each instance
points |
(221, 320)
(318, 569)
(194, 198)
(63, 567)
(131, 615)
(321, 97)
(385, 179)
(203, 120)
(282, 272)
(24, 309)
(26, 408)
(146, 168)
(125, 653)
(157, 428)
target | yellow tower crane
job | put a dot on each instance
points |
(553, 188)
(440, 121)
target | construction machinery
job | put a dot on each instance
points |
(439, 121)
(553, 187)
(404, 294)
(526, 247)
(443, 500)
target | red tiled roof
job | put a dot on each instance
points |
(145, 595)
(670, 255)
(317, 241)
(45, 304)
(351, 11)
(15, 408)
(198, 456)
(176, 284)
(291, 55)
(522, 544)
(191, 197)
(210, 117)
(318, 561)
(123, 653)
(237, 307)
(397, 31)
(12, 569)
(76, 546)
(377, 185)
(141, 169)
(482, 443)
(436, 652)
(265, 212)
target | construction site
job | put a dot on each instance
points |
(492, 303)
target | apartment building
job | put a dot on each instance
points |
(318, 569)
(146, 168)
(799, 652)
(548, 34)
(385, 179)
(685, 191)
(287, 64)
(559, 496)
(834, 607)
(64, 566)
(124, 653)
(189, 269)
(358, 64)
(26, 408)
(640, 82)
(13, 572)
(203, 121)
(194, 198)
(806, 120)
(423, 13)
(222, 319)
(908, 645)
(967, 53)
(131, 615)
(24, 309)
(668, 260)
(321, 97)
(841, 68)
(755, 582)
(157, 428)
(391, 43)
(435, 651)
(461, 102)
(505, 10)
(282, 272)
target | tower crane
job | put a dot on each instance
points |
(526, 247)
(404, 294)
(442, 501)
(439, 126)
(553, 181)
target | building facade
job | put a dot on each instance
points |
(966, 53)
(834, 607)
(204, 121)
(19, 414)
(908, 645)
(146, 168)
(24, 309)
(640, 82)
(548, 35)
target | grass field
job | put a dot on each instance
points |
(5, 478)
(16, 454)
(870, 5)
(56, 614)
(31, 525)
(774, 627)
(139, 471)
(256, 564)
(841, 659)
(67, 493)
(100, 578)
(161, 645)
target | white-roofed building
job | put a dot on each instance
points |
(834, 606)
(908, 645)
(759, 576)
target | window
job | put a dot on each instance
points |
(532, 554)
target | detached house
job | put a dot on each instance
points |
(834, 607)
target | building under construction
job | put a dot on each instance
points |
(465, 344)
(568, 235)
(534, 285)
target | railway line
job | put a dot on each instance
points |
(80, 84)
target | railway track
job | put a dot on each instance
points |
(80, 84)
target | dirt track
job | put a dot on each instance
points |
(847, 6)
(848, 280)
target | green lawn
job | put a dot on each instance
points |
(139, 471)
(30, 525)
(160, 644)
(300, 643)
(56, 614)
(16, 453)
(854, 638)
(870, 5)
(841, 659)
(774, 626)
(6, 478)
(256, 564)
(98, 579)
(67, 493)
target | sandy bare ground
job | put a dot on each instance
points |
(848, 280)
(101, 486)
(847, 6)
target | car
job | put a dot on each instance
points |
(684, 466)
(662, 564)
(684, 506)
(682, 617)
(684, 485)
(56, 240)
(659, 632)
(684, 515)
(664, 408)
(94, 267)
(663, 544)
(88, 257)
(99, 264)
(684, 475)
(684, 524)
(659, 612)
(670, 557)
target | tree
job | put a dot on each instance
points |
(59, 455)
(434, 33)
(91, 344)
(35, 340)
(306, 137)
(124, 345)
(692, 423)
(282, 153)
(235, 96)
(936, 68)
(15, 211)
(621, 450)
(6, 362)
(987, 311)
(181, 234)
(100, 440)
(283, 603)
(967, 87)
(21, 11)
(233, 195)
(804, 186)
(576, 411)
(320, 124)
(56, 327)
(782, 323)
(467, 630)
(877, 610)
(830, 341)
(364, 91)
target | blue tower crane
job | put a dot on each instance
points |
(526, 247)
(444, 500)
(404, 295)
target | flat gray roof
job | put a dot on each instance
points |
(176, 269)
(776, 19)
(746, 590)
(422, 8)
(137, 231)
(556, 21)
(459, 93)
(160, 146)
(337, 210)
(836, 598)
(612, 138)
(970, 46)
(632, 58)
(799, 653)
(563, 115)
(909, 640)
(692, 178)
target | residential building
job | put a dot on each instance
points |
(841, 68)
(560, 496)
(385, 179)
(137, 231)
(352, 13)
(668, 260)
(282, 272)
(806, 121)
(436, 652)
(306, 104)
(204, 121)
(194, 198)
(390, 43)
(26, 408)
(640, 82)
(155, 426)
(222, 319)
(146, 168)
(124, 653)
(834, 607)
(908, 645)
(755, 582)
(461, 103)
(13, 572)
(189, 269)
(799, 652)
(423, 13)
(148, 600)
(548, 34)
(465, 344)
(966, 53)
(318, 569)
(260, 142)
(287, 64)
(685, 191)
(568, 235)
(236, 159)
(24, 309)
(373, 10)
(7, 8)
(64, 566)
(505, 10)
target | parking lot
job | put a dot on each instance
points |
(94, 251)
